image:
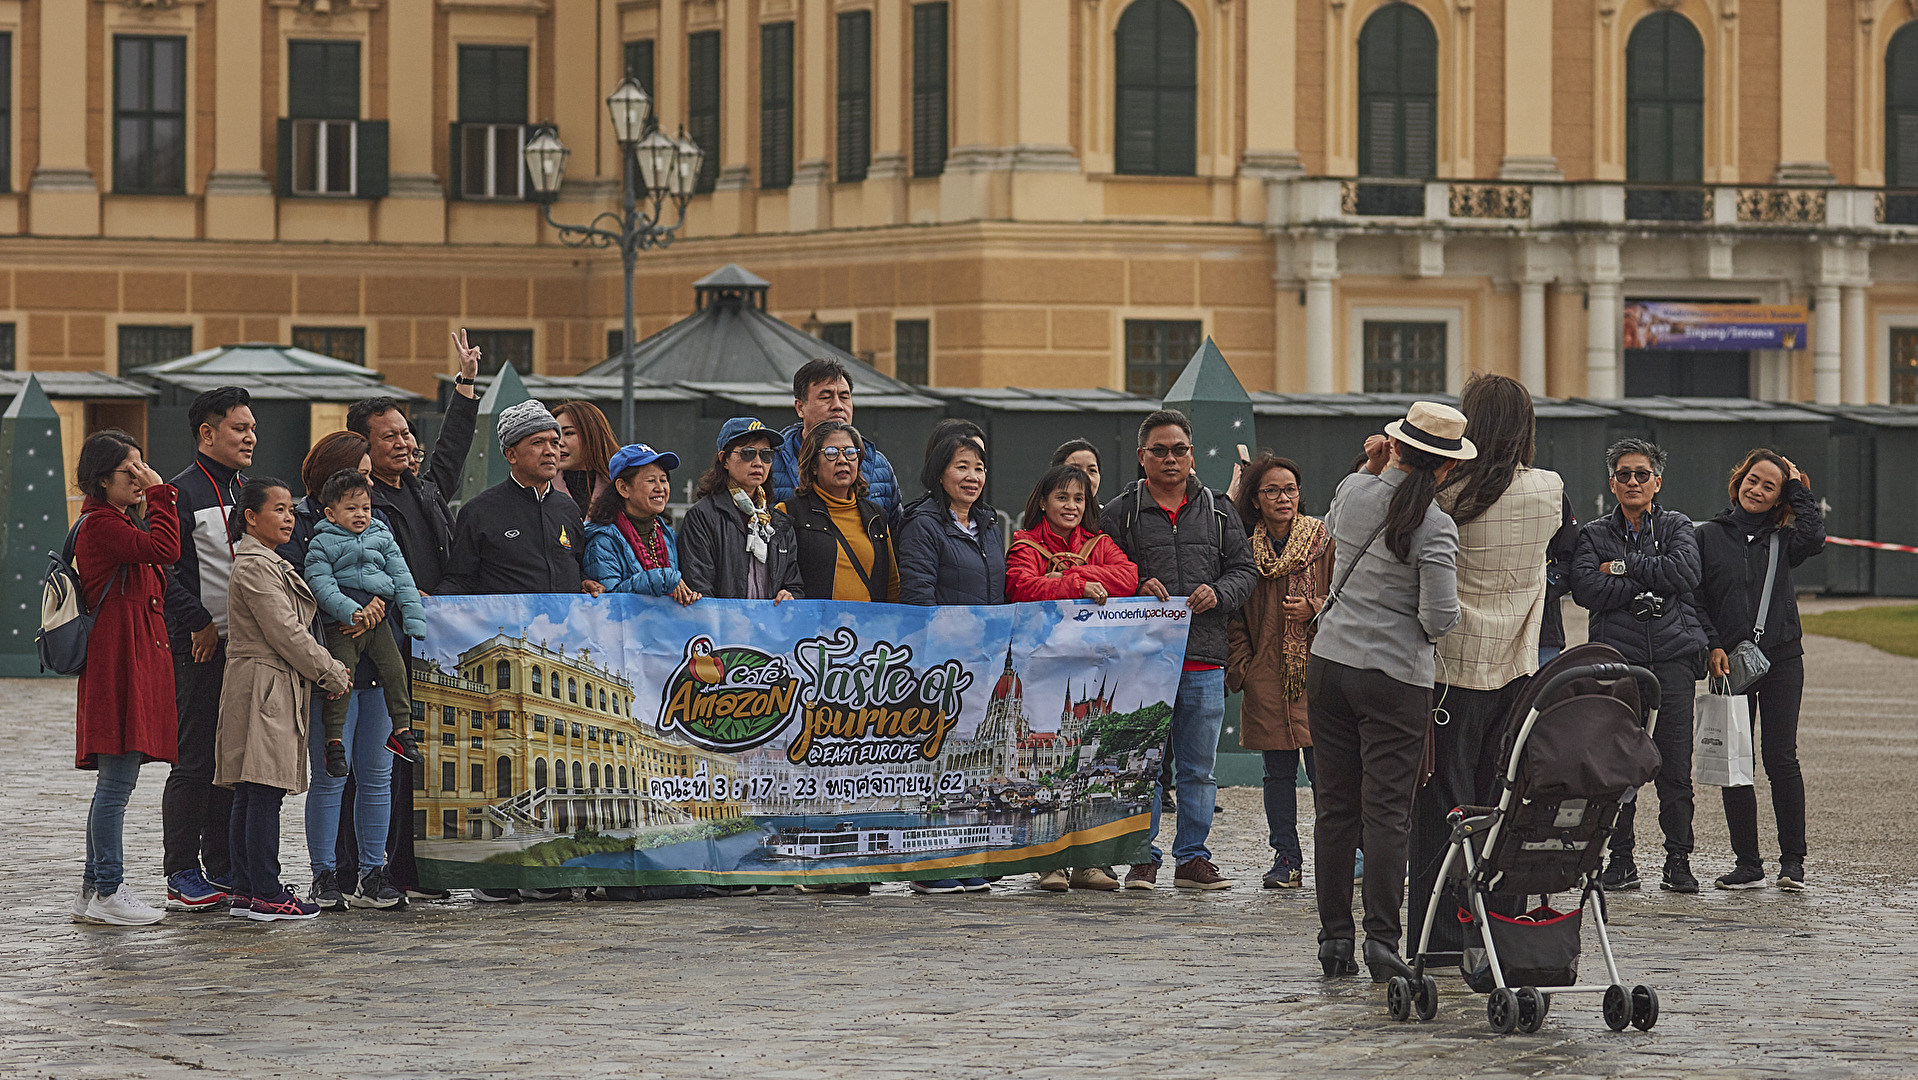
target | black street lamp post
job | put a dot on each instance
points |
(668, 166)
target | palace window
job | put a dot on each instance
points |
(579, 776)
(572, 691)
(536, 686)
(476, 744)
(1156, 350)
(539, 722)
(1665, 101)
(491, 131)
(142, 345)
(324, 146)
(622, 777)
(450, 823)
(478, 719)
(1904, 366)
(448, 778)
(837, 334)
(448, 716)
(149, 115)
(1398, 94)
(602, 700)
(702, 103)
(6, 338)
(592, 776)
(1157, 78)
(501, 347)
(503, 772)
(346, 343)
(539, 773)
(6, 122)
(505, 676)
(577, 732)
(479, 777)
(855, 95)
(447, 738)
(1901, 109)
(912, 351)
(1404, 357)
(929, 89)
(504, 720)
(775, 105)
(592, 734)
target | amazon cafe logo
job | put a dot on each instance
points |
(728, 698)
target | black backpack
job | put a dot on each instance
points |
(66, 621)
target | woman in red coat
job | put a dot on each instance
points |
(1061, 554)
(125, 715)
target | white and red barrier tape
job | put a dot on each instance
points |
(1872, 544)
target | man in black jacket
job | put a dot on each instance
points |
(520, 535)
(193, 812)
(1636, 572)
(1187, 541)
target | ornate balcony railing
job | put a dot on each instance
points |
(1781, 206)
(1491, 201)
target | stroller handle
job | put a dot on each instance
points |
(1647, 682)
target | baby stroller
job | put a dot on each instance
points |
(1574, 744)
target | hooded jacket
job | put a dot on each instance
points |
(340, 562)
(1732, 575)
(941, 563)
(1662, 559)
(1205, 546)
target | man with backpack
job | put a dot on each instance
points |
(1187, 541)
(193, 812)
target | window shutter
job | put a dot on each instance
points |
(341, 82)
(371, 180)
(929, 89)
(1156, 89)
(639, 63)
(1176, 152)
(1378, 137)
(1901, 158)
(304, 68)
(283, 159)
(1665, 96)
(855, 95)
(476, 78)
(775, 105)
(512, 86)
(1421, 138)
(702, 104)
(1688, 144)
(1398, 94)
(453, 185)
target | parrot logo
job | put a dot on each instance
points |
(701, 664)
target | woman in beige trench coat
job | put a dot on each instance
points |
(1268, 643)
(272, 660)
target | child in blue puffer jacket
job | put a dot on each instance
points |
(352, 560)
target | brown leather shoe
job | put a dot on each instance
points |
(1097, 878)
(1200, 874)
(1143, 875)
(1055, 880)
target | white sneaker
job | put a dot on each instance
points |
(123, 909)
(78, 909)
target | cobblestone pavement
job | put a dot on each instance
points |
(1014, 983)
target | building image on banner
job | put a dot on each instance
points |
(624, 740)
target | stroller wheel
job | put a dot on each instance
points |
(1531, 1009)
(1501, 1010)
(1398, 998)
(1644, 1007)
(1618, 1007)
(1426, 997)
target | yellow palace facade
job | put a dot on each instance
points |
(523, 738)
(1345, 194)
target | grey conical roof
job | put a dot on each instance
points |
(729, 337)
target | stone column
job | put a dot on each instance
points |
(1046, 182)
(885, 187)
(414, 210)
(1319, 256)
(1531, 335)
(239, 201)
(1528, 94)
(1271, 77)
(1802, 94)
(809, 198)
(1827, 346)
(64, 197)
(1857, 373)
(1602, 377)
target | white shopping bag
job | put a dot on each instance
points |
(1722, 746)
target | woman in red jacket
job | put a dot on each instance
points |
(125, 713)
(1061, 554)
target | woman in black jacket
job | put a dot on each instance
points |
(734, 543)
(950, 549)
(1771, 500)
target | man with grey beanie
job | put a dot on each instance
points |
(520, 536)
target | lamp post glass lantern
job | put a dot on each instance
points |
(646, 154)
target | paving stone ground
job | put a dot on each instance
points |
(1014, 983)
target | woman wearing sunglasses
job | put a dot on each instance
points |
(734, 543)
(845, 548)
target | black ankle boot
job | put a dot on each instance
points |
(1384, 961)
(1335, 956)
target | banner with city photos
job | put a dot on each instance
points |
(627, 741)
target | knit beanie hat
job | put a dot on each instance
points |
(529, 417)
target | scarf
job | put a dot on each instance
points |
(759, 521)
(651, 550)
(1303, 546)
(1748, 522)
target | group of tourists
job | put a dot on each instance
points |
(1377, 649)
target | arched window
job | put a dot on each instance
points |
(537, 689)
(1901, 109)
(554, 680)
(505, 679)
(589, 695)
(579, 775)
(572, 691)
(1398, 94)
(622, 777)
(602, 701)
(503, 768)
(1157, 86)
(539, 773)
(559, 773)
(1665, 102)
(592, 775)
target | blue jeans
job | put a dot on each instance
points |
(367, 728)
(1197, 713)
(1282, 802)
(113, 783)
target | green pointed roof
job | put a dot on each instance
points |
(1207, 378)
(31, 403)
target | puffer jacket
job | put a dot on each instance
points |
(308, 516)
(713, 555)
(370, 563)
(1732, 571)
(1206, 546)
(1663, 559)
(882, 486)
(940, 563)
(610, 561)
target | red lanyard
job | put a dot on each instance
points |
(219, 498)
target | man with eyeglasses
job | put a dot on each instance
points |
(822, 390)
(1187, 541)
(1636, 573)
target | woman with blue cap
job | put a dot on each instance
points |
(734, 543)
(629, 546)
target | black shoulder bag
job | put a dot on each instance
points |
(1748, 662)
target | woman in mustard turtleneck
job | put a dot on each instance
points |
(845, 547)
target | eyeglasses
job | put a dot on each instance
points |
(1633, 476)
(1181, 450)
(834, 453)
(763, 453)
(1279, 492)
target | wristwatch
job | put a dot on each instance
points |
(1616, 568)
(462, 380)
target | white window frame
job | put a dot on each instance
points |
(1881, 364)
(518, 194)
(1357, 316)
(320, 172)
